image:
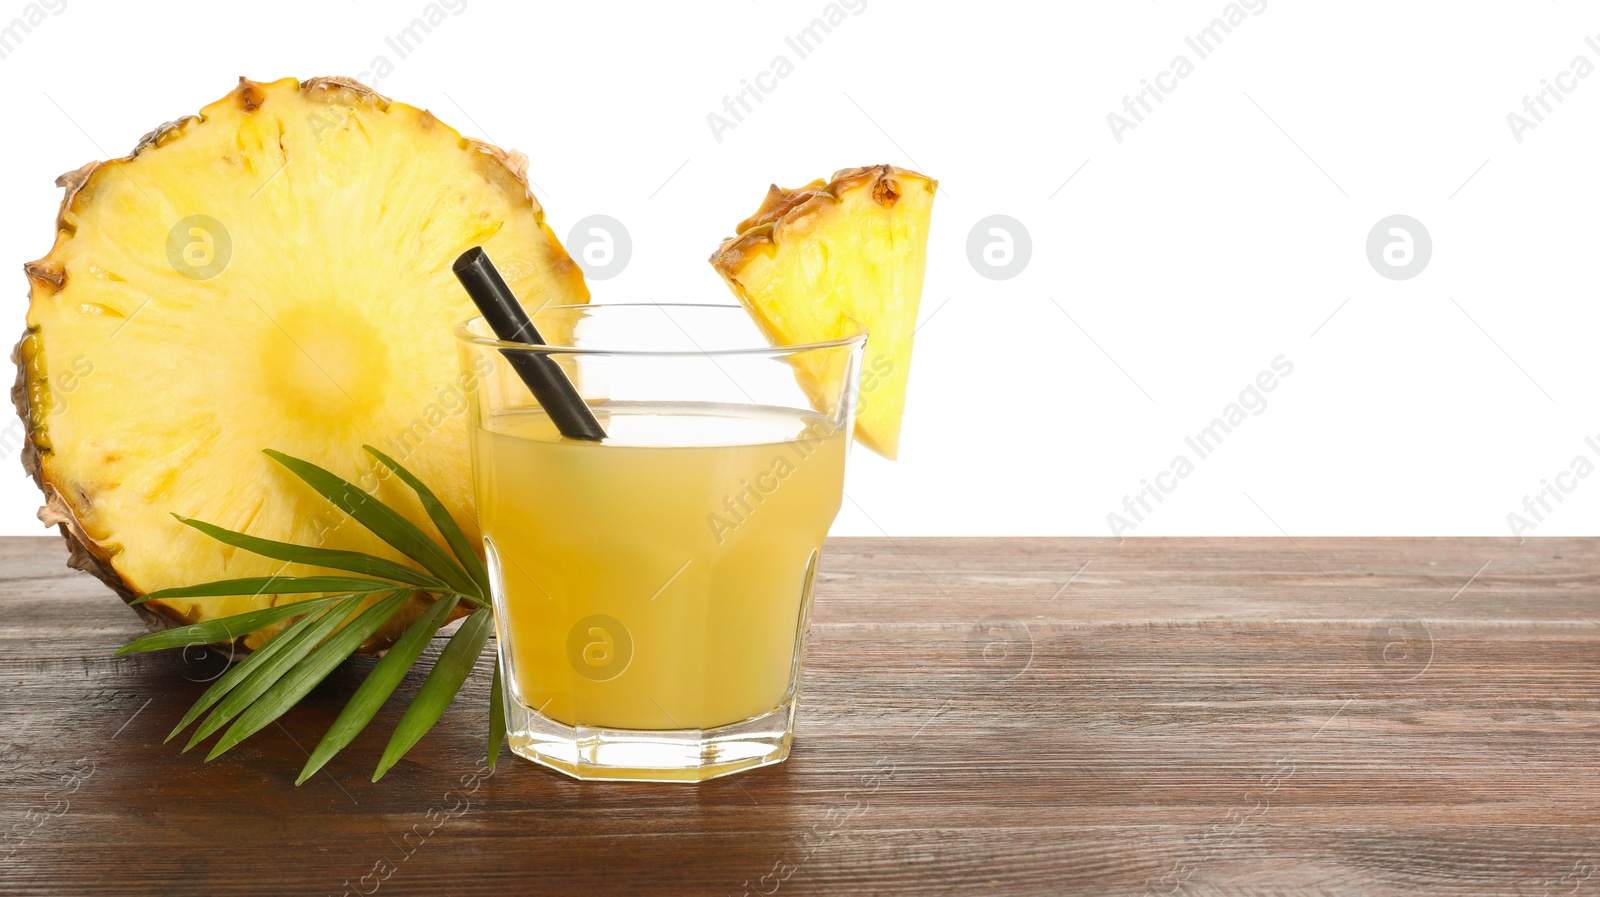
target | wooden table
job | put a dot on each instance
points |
(979, 716)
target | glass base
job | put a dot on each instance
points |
(635, 755)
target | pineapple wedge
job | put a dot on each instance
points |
(273, 273)
(830, 259)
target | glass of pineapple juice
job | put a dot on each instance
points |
(652, 591)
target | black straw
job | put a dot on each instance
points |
(511, 324)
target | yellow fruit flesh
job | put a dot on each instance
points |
(829, 260)
(705, 598)
(329, 326)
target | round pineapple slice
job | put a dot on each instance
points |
(272, 273)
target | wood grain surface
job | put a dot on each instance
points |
(978, 716)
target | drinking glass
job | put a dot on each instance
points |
(652, 590)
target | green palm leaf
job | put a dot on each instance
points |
(298, 682)
(384, 522)
(497, 715)
(268, 674)
(332, 558)
(460, 545)
(327, 629)
(248, 666)
(439, 689)
(379, 684)
(221, 629)
(273, 585)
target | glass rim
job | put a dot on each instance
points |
(465, 335)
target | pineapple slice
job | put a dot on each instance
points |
(827, 260)
(274, 273)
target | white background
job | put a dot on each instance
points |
(1227, 229)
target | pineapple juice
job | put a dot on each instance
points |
(659, 579)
